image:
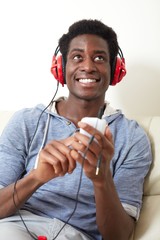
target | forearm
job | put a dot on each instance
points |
(25, 187)
(112, 220)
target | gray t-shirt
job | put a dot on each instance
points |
(56, 199)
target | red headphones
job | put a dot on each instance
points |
(57, 68)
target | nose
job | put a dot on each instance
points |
(88, 65)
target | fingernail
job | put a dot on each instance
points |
(82, 124)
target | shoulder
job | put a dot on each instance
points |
(28, 114)
(25, 121)
(129, 137)
(121, 125)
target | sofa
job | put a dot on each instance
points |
(148, 225)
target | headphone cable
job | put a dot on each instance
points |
(51, 102)
(34, 236)
(23, 172)
(79, 186)
(80, 180)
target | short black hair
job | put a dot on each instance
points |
(90, 26)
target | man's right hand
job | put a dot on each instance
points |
(55, 160)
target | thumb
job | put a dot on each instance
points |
(108, 134)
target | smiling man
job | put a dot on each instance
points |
(48, 167)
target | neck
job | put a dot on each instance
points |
(75, 110)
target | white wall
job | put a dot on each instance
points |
(30, 29)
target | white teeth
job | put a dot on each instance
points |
(87, 80)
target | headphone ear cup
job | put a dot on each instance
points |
(57, 69)
(119, 72)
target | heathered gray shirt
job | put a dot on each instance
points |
(56, 199)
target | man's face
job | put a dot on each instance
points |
(88, 67)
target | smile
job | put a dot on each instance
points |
(87, 80)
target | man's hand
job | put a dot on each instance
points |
(103, 147)
(55, 160)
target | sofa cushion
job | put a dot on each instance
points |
(152, 127)
(152, 183)
(148, 225)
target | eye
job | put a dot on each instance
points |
(99, 58)
(77, 57)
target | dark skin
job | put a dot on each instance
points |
(88, 58)
(93, 65)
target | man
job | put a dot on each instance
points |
(60, 195)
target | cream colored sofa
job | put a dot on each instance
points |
(148, 225)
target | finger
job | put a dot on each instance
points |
(108, 134)
(72, 162)
(94, 133)
(85, 156)
(56, 159)
(78, 157)
(88, 166)
(88, 128)
(60, 155)
(67, 162)
(68, 141)
(94, 143)
(77, 145)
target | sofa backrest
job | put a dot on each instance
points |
(148, 225)
(152, 127)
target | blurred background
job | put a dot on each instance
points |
(29, 33)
